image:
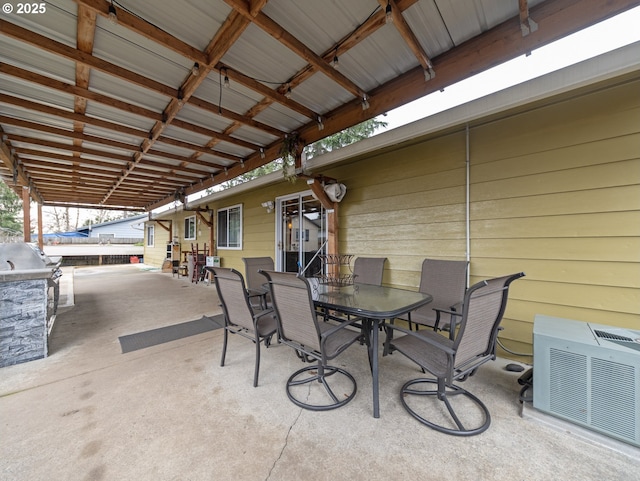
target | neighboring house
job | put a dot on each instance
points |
(543, 177)
(130, 227)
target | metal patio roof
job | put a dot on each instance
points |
(125, 104)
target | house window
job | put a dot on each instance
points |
(230, 228)
(190, 228)
(305, 237)
(150, 235)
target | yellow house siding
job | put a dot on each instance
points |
(258, 225)
(406, 205)
(155, 256)
(555, 192)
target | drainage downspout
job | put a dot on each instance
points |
(467, 202)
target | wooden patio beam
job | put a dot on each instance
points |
(18, 174)
(145, 29)
(409, 37)
(527, 25)
(292, 43)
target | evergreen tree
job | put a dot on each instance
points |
(346, 137)
(332, 142)
(10, 211)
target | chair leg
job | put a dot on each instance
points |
(445, 394)
(257, 368)
(224, 346)
(387, 340)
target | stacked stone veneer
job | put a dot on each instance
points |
(23, 321)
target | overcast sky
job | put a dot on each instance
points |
(603, 37)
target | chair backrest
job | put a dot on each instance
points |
(252, 265)
(295, 312)
(233, 297)
(369, 270)
(445, 280)
(484, 306)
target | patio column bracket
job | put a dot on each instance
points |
(209, 221)
(166, 226)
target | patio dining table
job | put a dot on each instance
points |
(373, 304)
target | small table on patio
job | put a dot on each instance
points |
(374, 304)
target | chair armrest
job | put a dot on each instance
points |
(457, 307)
(447, 311)
(425, 339)
(258, 315)
(451, 311)
(343, 323)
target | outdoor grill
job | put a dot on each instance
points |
(29, 293)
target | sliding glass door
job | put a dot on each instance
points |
(302, 234)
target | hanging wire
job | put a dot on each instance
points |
(220, 88)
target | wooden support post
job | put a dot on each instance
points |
(212, 249)
(332, 222)
(26, 211)
(332, 237)
(40, 237)
(209, 223)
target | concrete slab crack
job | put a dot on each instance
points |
(286, 442)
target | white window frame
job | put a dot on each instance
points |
(188, 223)
(151, 235)
(226, 211)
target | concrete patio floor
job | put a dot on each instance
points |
(170, 412)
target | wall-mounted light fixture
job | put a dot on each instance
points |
(268, 205)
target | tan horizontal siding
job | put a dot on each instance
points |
(615, 149)
(555, 193)
(612, 224)
(575, 121)
(409, 205)
(610, 199)
(606, 175)
(626, 249)
(613, 274)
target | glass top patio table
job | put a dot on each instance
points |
(374, 304)
(365, 300)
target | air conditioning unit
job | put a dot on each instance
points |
(588, 374)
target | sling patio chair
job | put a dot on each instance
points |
(303, 329)
(453, 359)
(446, 281)
(240, 317)
(369, 270)
(255, 280)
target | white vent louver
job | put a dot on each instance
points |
(588, 374)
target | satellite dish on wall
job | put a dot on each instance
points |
(335, 192)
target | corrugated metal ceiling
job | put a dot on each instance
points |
(108, 114)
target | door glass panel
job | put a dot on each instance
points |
(302, 235)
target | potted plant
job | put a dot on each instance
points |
(288, 152)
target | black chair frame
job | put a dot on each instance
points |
(293, 304)
(263, 325)
(438, 354)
